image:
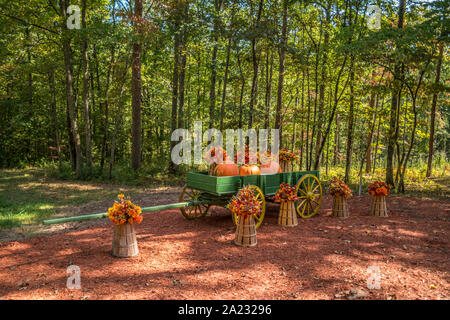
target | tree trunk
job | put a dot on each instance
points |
(182, 86)
(173, 168)
(73, 158)
(30, 74)
(401, 186)
(241, 95)
(392, 136)
(212, 92)
(93, 112)
(87, 123)
(54, 114)
(117, 122)
(183, 62)
(106, 95)
(302, 112)
(413, 131)
(350, 121)
(268, 98)
(283, 44)
(336, 141)
(433, 111)
(294, 122)
(136, 90)
(375, 151)
(255, 60)
(373, 96)
(68, 68)
(308, 114)
(225, 79)
(322, 85)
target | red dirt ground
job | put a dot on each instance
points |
(322, 258)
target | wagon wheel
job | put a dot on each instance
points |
(196, 211)
(258, 217)
(309, 192)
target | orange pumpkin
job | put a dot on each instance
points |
(270, 167)
(228, 168)
(249, 169)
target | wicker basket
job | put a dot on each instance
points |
(286, 166)
(245, 231)
(340, 208)
(124, 242)
(378, 207)
(287, 216)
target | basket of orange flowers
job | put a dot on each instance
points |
(245, 205)
(214, 156)
(340, 192)
(124, 214)
(287, 195)
(379, 190)
(287, 159)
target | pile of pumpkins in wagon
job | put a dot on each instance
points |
(228, 167)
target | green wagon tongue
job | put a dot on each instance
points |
(103, 214)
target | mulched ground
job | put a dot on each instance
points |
(322, 258)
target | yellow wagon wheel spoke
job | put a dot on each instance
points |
(196, 211)
(309, 191)
(259, 217)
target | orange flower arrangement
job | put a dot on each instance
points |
(247, 155)
(339, 188)
(285, 193)
(123, 211)
(265, 158)
(245, 203)
(286, 155)
(379, 188)
(214, 155)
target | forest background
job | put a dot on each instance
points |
(100, 102)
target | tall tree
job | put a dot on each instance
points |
(283, 44)
(54, 113)
(215, 36)
(178, 75)
(87, 122)
(225, 82)
(350, 123)
(433, 110)
(183, 54)
(323, 81)
(255, 60)
(136, 87)
(268, 95)
(372, 101)
(393, 125)
(68, 68)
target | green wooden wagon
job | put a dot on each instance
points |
(203, 191)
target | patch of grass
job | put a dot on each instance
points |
(29, 196)
(16, 205)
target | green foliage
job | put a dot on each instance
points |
(30, 49)
(416, 183)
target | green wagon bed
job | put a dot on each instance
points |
(213, 190)
(202, 191)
